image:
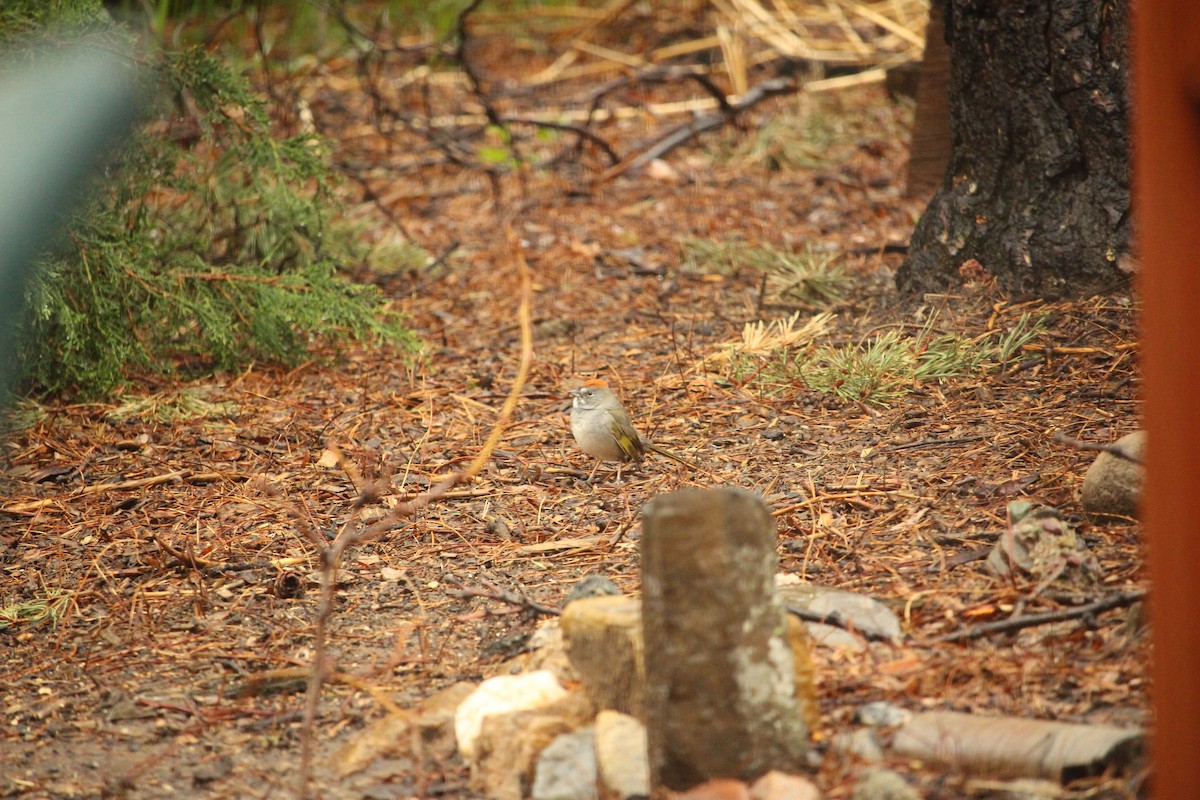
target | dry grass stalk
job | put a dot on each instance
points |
(175, 476)
(792, 33)
(762, 338)
(750, 33)
(735, 58)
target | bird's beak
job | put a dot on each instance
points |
(575, 392)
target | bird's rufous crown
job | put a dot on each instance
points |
(596, 383)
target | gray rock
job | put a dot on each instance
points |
(566, 769)
(865, 613)
(1112, 487)
(593, 585)
(883, 784)
(882, 713)
(862, 743)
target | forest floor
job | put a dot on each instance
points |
(162, 528)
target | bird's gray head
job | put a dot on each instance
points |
(593, 394)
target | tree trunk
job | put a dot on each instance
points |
(1038, 186)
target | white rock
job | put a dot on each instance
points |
(502, 695)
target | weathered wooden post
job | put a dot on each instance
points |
(1166, 165)
(931, 142)
(719, 697)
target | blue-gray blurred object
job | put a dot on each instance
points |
(60, 116)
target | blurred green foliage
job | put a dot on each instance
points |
(210, 243)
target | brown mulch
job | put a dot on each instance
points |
(188, 592)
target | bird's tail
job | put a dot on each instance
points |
(668, 454)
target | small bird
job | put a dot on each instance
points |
(602, 428)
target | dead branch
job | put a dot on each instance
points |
(935, 443)
(656, 73)
(1120, 600)
(836, 619)
(669, 74)
(825, 498)
(441, 259)
(154, 480)
(458, 494)
(578, 130)
(178, 476)
(489, 108)
(1111, 449)
(186, 559)
(681, 133)
(491, 591)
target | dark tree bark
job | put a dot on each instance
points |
(1037, 189)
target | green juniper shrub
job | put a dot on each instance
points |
(208, 245)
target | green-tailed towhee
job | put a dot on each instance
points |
(602, 428)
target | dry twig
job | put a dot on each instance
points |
(179, 475)
(492, 592)
(1120, 600)
(673, 138)
(331, 552)
(836, 620)
(1111, 449)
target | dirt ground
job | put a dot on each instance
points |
(165, 522)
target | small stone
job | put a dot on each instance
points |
(622, 756)
(776, 785)
(862, 744)
(603, 637)
(432, 721)
(509, 745)
(435, 720)
(566, 770)
(594, 585)
(883, 784)
(717, 789)
(882, 713)
(211, 771)
(548, 633)
(1112, 487)
(547, 651)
